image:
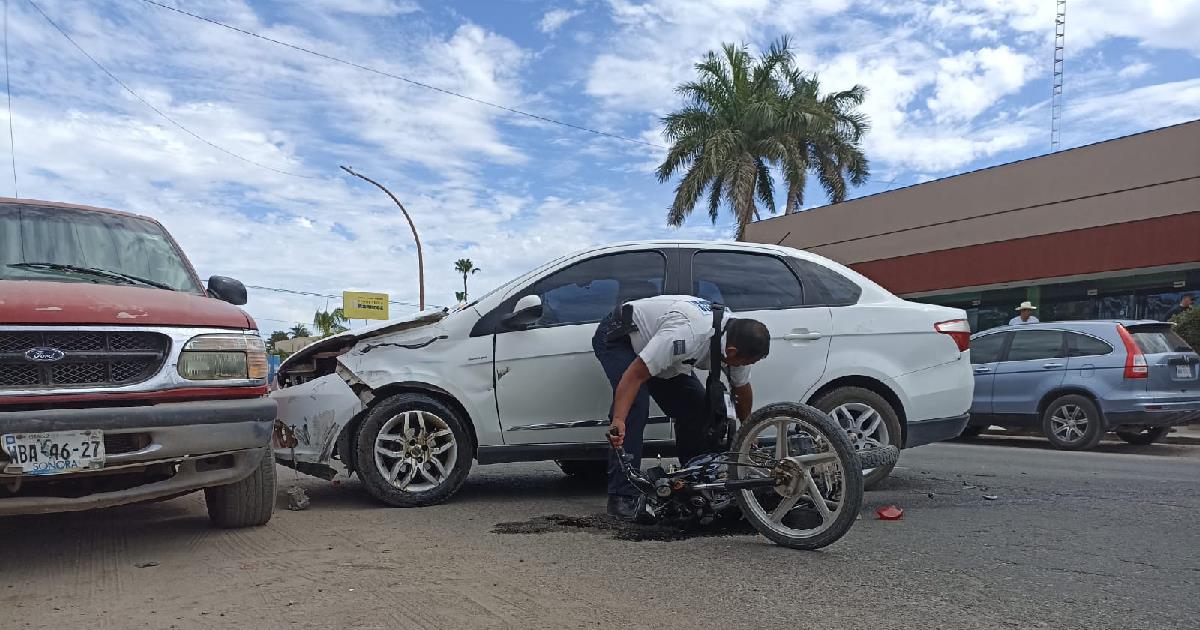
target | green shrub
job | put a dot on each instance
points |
(1187, 325)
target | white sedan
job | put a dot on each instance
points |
(409, 404)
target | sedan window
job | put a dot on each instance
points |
(745, 282)
(585, 292)
(1031, 345)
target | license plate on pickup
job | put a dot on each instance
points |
(54, 453)
(1183, 371)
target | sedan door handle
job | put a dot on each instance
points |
(982, 369)
(1051, 366)
(802, 336)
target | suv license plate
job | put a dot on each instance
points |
(54, 453)
(1183, 371)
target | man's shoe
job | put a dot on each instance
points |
(623, 507)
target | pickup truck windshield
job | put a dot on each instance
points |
(76, 245)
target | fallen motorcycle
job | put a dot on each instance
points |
(791, 471)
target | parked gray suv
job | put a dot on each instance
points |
(1077, 381)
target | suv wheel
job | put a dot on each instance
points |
(1073, 423)
(247, 503)
(868, 419)
(413, 451)
(1148, 435)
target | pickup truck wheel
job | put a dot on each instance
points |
(247, 503)
(413, 451)
(1148, 435)
(1073, 423)
(868, 419)
(587, 469)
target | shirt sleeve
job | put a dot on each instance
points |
(671, 343)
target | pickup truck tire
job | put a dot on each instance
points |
(247, 503)
(848, 406)
(398, 443)
(1149, 435)
(1073, 423)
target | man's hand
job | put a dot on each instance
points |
(616, 434)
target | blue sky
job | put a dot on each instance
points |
(954, 85)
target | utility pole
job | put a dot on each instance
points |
(1056, 91)
(420, 255)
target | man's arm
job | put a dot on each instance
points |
(631, 382)
(743, 401)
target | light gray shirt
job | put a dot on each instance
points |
(1017, 320)
(673, 333)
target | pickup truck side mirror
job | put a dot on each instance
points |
(526, 313)
(227, 289)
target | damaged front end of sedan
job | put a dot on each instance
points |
(324, 389)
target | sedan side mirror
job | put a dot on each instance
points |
(526, 312)
(227, 289)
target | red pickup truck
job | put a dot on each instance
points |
(122, 377)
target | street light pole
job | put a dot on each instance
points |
(420, 255)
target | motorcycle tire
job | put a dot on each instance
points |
(788, 514)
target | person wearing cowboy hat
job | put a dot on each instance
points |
(1024, 314)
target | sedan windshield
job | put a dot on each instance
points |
(76, 245)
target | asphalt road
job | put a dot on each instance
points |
(1104, 539)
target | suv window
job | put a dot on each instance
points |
(1030, 345)
(1084, 346)
(587, 291)
(986, 349)
(837, 289)
(745, 282)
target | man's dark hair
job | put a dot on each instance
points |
(750, 337)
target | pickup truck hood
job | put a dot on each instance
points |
(38, 303)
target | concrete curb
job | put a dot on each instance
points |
(1189, 435)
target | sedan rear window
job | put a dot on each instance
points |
(1158, 339)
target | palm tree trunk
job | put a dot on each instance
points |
(464, 286)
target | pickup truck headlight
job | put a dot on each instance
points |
(223, 357)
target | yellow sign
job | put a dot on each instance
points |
(361, 305)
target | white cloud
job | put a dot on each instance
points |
(973, 80)
(371, 8)
(554, 19)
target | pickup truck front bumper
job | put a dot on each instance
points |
(153, 452)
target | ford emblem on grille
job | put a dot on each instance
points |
(44, 355)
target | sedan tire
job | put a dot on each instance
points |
(413, 451)
(868, 419)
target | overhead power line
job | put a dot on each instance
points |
(156, 110)
(324, 295)
(397, 77)
(12, 143)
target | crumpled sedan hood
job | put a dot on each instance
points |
(383, 330)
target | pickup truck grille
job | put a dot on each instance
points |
(79, 358)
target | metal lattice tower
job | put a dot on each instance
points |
(1056, 92)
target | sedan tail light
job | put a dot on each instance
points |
(959, 330)
(1135, 361)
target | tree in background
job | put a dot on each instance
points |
(466, 268)
(299, 330)
(278, 335)
(743, 115)
(1187, 325)
(329, 323)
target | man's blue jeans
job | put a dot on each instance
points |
(682, 398)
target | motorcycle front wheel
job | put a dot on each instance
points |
(819, 486)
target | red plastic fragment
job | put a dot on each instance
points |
(889, 513)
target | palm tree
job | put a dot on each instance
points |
(743, 115)
(466, 268)
(299, 330)
(821, 133)
(329, 323)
